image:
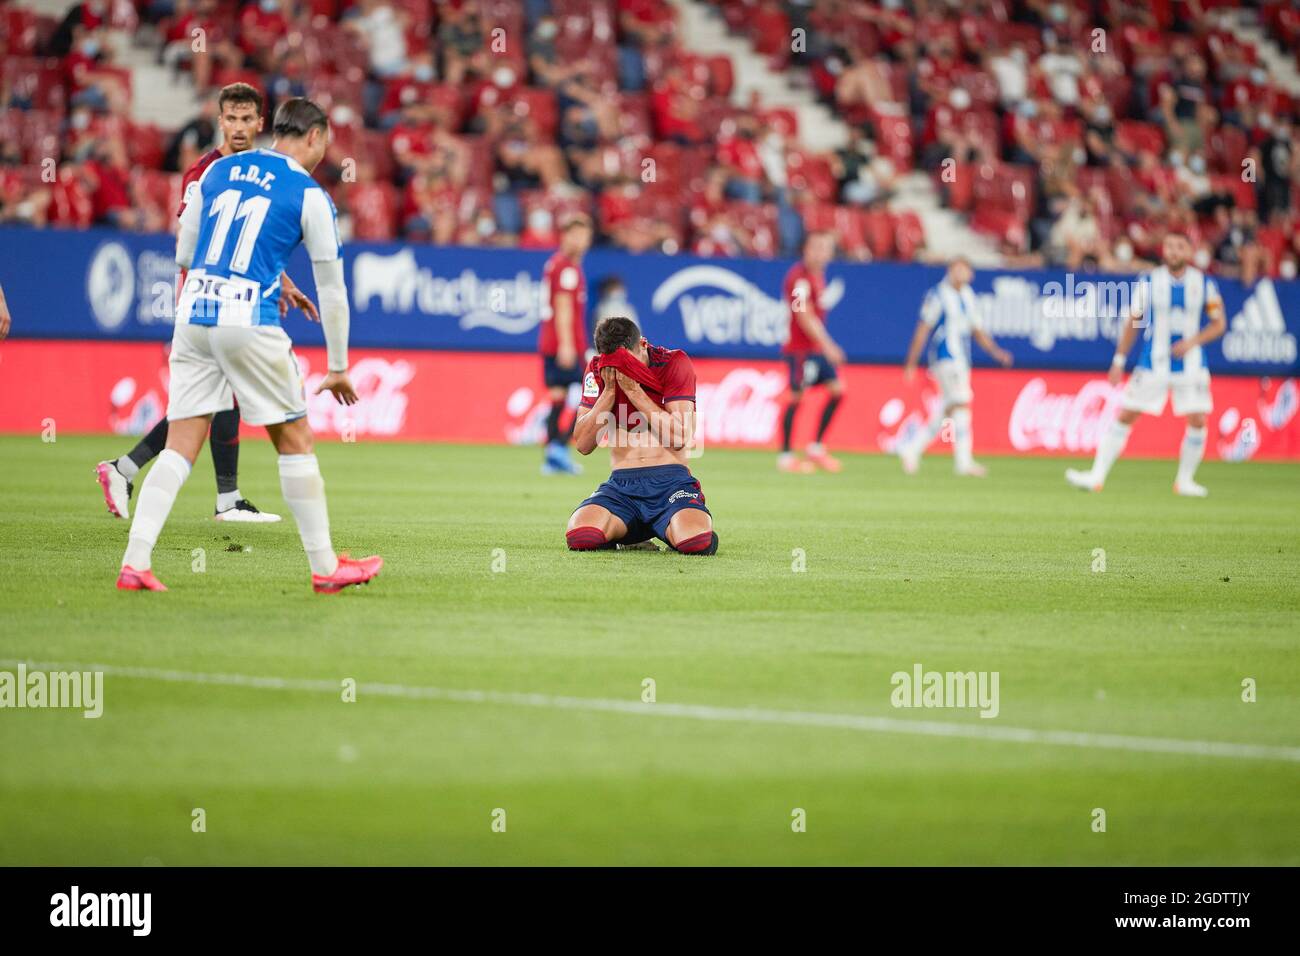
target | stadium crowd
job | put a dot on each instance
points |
(1074, 134)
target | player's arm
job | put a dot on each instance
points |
(187, 235)
(931, 311)
(291, 297)
(1127, 336)
(672, 426)
(320, 236)
(914, 349)
(562, 303)
(1214, 329)
(999, 354)
(4, 315)
(586, 427)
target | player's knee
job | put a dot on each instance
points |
(705, 543)
(585, 538)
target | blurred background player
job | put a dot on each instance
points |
(239, 114)
(810, 352)
(562, 338)
(643, 398)
(247, 214)
(949, 318)
(1170, 302)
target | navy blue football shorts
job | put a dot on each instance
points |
(645, 499)
(556, 375)
(808, 370)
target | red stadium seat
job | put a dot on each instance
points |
(1134, 137)
(18, 31)
(36, 80)
(809, 173)
(146, 145)
(910, 235)
(879, 229)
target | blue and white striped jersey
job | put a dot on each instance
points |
(951, 314)
(250, 211)
(1173, 308)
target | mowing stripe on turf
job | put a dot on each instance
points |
(750, 715)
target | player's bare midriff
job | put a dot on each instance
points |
(637, 448)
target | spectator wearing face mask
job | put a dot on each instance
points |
(1279, 164)
(612, 300)
(382, 30)
(261, 24)
(88, 16)
(88, 84)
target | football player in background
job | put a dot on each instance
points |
(239, 114)
(1170, 303)
(810, 352)
(949, 319)
(562, 337)
(248, 213)
(642, 399)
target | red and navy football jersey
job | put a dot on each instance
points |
(670, 378)
(563, 276)
(803, 290)
(192, 175)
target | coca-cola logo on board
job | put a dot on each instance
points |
(1069, 421)
(381, 387)
(743, 408)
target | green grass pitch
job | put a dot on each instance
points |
(953, 574)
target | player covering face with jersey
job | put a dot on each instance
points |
(640, 399)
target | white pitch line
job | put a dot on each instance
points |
(744, 715)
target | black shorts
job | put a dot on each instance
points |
(556, 376)
(809, 369)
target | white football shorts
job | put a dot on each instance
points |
(213, 365)
(953, 379)
(1147, 392)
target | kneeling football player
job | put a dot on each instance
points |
(642, 397)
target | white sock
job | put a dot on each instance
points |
(930, 431)
(126, 467)
(153, 506)
(962, 439)
(304, 493)
(1110, 447)
(1190, 455)
(227, 499)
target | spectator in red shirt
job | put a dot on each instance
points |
(70, 198)
(89, 84)
(261, 24)
(738, 156)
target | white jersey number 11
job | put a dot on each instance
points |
(227, 208)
